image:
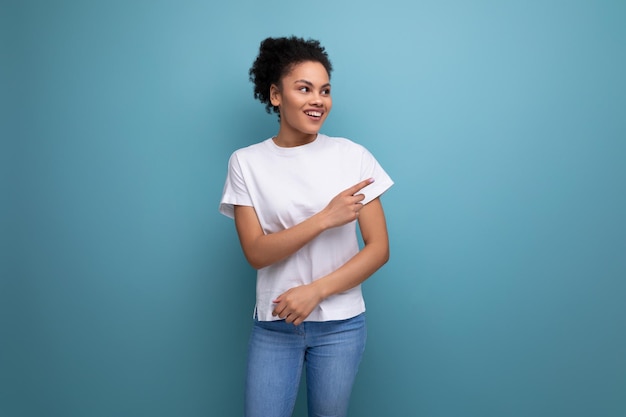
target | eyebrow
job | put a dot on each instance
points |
(309, 83)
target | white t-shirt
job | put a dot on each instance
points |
(288, 185)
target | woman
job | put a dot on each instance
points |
(296, 199)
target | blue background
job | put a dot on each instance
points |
(125, 293)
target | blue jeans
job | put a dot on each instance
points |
(278, 351)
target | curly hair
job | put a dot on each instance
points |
(276, 58)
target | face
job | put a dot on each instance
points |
(303, 98)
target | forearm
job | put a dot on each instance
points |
(355, 271)
(267, 249)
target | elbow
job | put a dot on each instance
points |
(384, 252)
(254, 257)
(380, 254)
(385, 256)
(255, 262)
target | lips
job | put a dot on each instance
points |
(313, 113)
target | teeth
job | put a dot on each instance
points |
(314, 113)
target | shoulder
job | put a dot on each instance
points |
(250, 154)
(252, 150)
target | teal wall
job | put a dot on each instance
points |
(503, 123)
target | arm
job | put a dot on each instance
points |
(297, 303)
(263, 249)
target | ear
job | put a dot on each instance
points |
(274, 95)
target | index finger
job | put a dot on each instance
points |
(358, 186)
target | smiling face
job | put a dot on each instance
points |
(304, 100)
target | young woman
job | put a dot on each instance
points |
(296, 199)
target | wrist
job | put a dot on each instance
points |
(321, 289)
(320, 222)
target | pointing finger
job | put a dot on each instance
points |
(358, 186)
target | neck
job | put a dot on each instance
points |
(286, 140)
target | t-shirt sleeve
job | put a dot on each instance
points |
(235, 190)
(370, 168)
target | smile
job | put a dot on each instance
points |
(313, 113)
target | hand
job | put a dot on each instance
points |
(296, 304)
(345, 206)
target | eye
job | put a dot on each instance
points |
(326, 91)
(303, 89)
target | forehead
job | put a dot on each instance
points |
(310, 71)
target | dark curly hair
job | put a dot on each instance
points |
(276, 58)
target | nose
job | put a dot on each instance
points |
(316, 99)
